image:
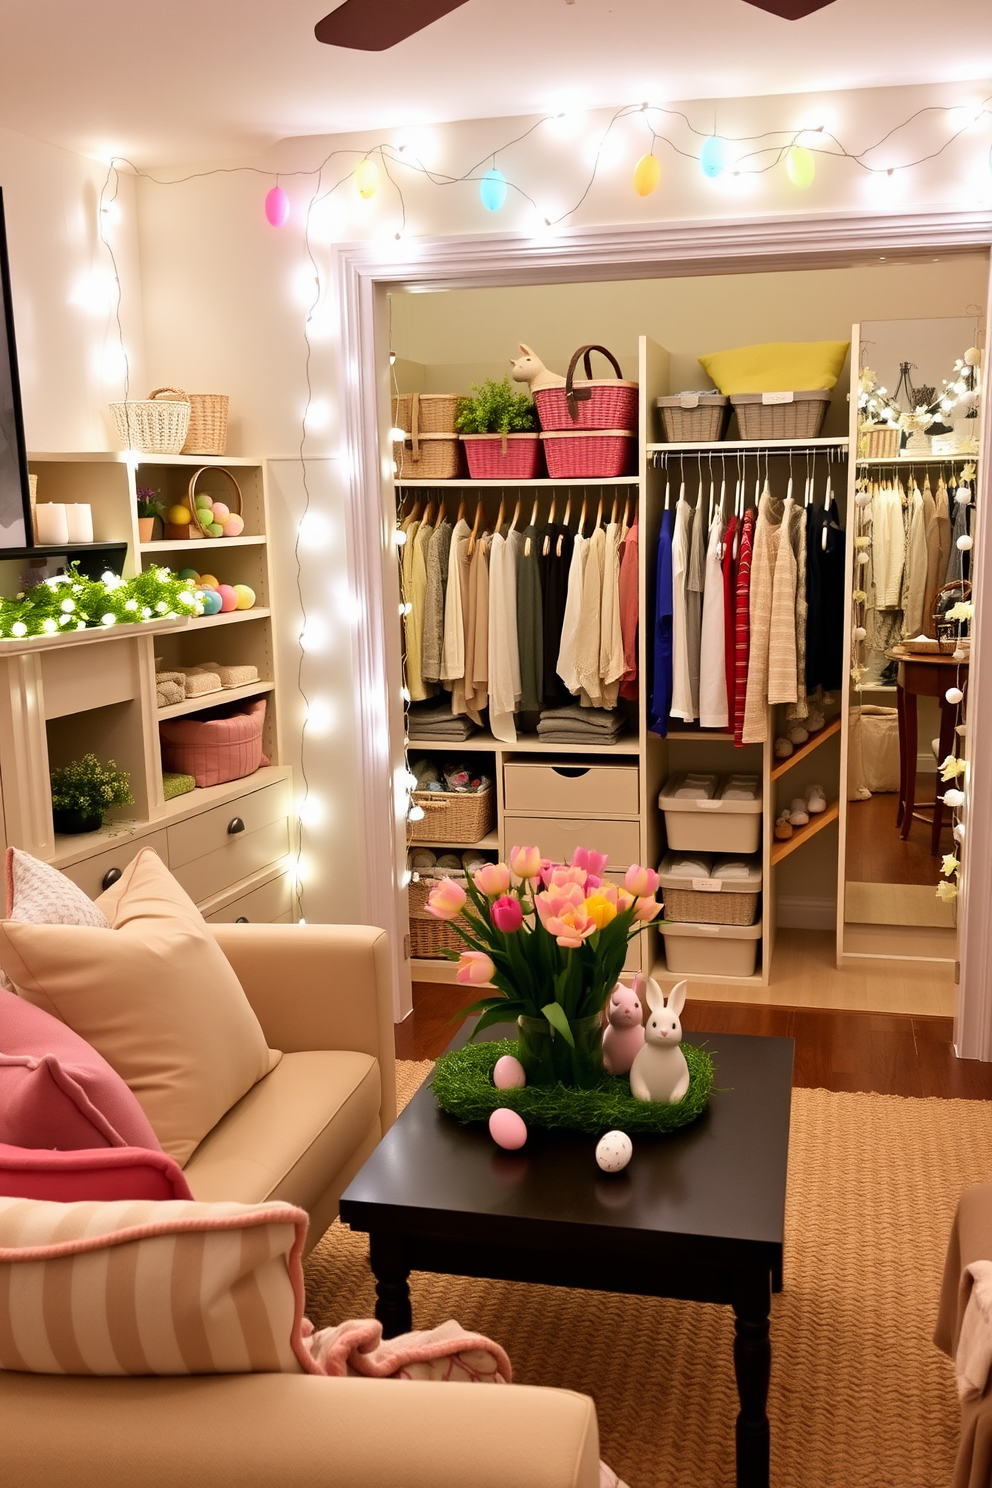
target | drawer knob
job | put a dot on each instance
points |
(110, 877)
(242, 920)
(235, 825)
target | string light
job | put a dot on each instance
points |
(367, 178)
(277, 207)
(492, 190)
(800, 166)
(647, 175)
(713, 157)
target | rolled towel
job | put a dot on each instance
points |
(422, 859)
(232, 676)
(199, 682)
(167, 693)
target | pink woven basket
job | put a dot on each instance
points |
(593, 404)
(588, 454)
(503, 456)
(214, 750)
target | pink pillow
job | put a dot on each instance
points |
(57, 1091)
(101, 1175)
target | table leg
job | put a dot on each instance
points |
(752, 1365)
(392, 1289)
(909, 748)
(945, 746)
(901, 714)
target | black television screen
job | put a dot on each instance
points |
(15, 497)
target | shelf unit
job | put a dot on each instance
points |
(100, 695)
(829, 731)
(801, 835)
(576, 483)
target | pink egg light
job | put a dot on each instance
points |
(277, 207)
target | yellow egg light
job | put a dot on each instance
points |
(647, 175)
(367, 178)
(800, 166)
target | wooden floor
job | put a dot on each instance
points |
(875, 851)
(890, 1054)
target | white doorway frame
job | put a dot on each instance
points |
(366, 272)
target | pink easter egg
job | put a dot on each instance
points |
(228, 598)
(277, 207)
(507, 1129)
(509, 1073)
(221, 511)
(234, 526)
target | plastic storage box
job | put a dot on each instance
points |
(711, 950)
(703, 889)
(705, 813)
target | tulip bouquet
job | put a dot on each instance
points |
(552, 940)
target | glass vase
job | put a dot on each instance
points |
(548, 1059)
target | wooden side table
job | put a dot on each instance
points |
(923, 676)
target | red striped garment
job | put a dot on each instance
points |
(742, 625)
(729, 617)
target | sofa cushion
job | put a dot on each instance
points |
(39, 894)
(151, 1288)
(292, 1132)
(102, 1173)
(157, 998)
(57, 1091)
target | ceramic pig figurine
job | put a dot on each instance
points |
(624, 1036)
(530, 369)
(659, 1072)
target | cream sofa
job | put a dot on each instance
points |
(322, 995)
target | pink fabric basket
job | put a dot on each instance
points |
(215, 749)
(588, 454)
(591, 404)
(490, 459)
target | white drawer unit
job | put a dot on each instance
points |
(571, 788)
(558, 837)
(97, 873)
(269, 904)
(244, 854)
(222, 826)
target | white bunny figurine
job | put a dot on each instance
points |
(530, 369)
(659, 1072)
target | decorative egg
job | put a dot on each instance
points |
(958, 832)
(958, 655)
(189, 573)
(507, 1129)
(228, 598)
(954, 799)
(954, 695)
(210, 600)
(204, 500)
(509, 1074)
(963, 495)
(859, 633)
(207, 581)
(179, 516)
(614, 1151)
(973, 357)
(234, 526)
(246, 599)
(221, 512)
(964, 542)
(214, 529)
(862, 498)
(862, 557)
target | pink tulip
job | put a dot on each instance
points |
(446, 900)
(526, 862)
(492, 880)
(554, 902)
(571, 927)
(475, 969)
(507, 914)
(560, 877)
(646, 909)
(592, 862)
(641, 882)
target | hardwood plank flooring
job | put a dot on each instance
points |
(875, 851)
(888, 1053)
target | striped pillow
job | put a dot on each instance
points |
(151, 1287)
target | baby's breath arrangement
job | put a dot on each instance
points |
(90, 788)
(71, 601)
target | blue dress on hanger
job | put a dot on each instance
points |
(661, 657)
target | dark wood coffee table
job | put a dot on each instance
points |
(699, 1215)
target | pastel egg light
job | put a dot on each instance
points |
(492, 190)
(647, 175)
(277, 207)
(367, 178)
(800, 166)
(713, 156)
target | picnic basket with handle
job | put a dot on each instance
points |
(596, 403)
(156, 425)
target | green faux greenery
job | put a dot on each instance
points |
(70, 601)
(496, 409)
(90, 788)
(463, 1086)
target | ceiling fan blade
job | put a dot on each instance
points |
(791, 10)
(376, 25)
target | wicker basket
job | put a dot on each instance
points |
(428, 457)
(763, 416)
(430, 937)
(698, 907)
(156, 425)
(583, 454)
(454, 816)
(879, 442)
(503, 456)
(697, 418)
(593, 404)
(207, 433)
(435, 412)
(196, 529)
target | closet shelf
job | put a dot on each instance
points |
(782, 850)
(577, 483)
(230, 617)
(490, 841)
(200, 542)
(904, 460)
(525, 745)
(824, 734)
(726, 446)
(215, 699)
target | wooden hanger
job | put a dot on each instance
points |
(516, 515)
(582, 515)
(531, 523)
(501, 514)
(461, 508)
(567, 518)
(616, 508)
(546, 546)
(668, 494)
(599, 515)
(475, 527)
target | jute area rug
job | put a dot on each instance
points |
(860, 1398)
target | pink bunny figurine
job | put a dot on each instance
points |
(530, 369)
(624, 1037)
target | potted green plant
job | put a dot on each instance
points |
(84, 791)
(498, 427)
(148, 509)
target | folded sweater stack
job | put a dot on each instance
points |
(578, 725)
(435, 722)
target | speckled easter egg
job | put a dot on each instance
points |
(210, 600)
(221, 511)
(507, 1129)
(613, 1152)
(509, 1074)
(234, 526)
(189, 573)
(246, 596)
(228, 598)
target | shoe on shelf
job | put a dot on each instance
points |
(798, 815)
(816, 800)
(815, 722)
(798, 734)
(783, 827)
(783, 748)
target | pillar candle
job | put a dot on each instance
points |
(52, 525)
(79, 520)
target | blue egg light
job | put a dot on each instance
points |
(713, 156)
(492, 190)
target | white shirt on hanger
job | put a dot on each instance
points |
(567, 650)
(504, 658)
(611, 662)
(590, 622)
